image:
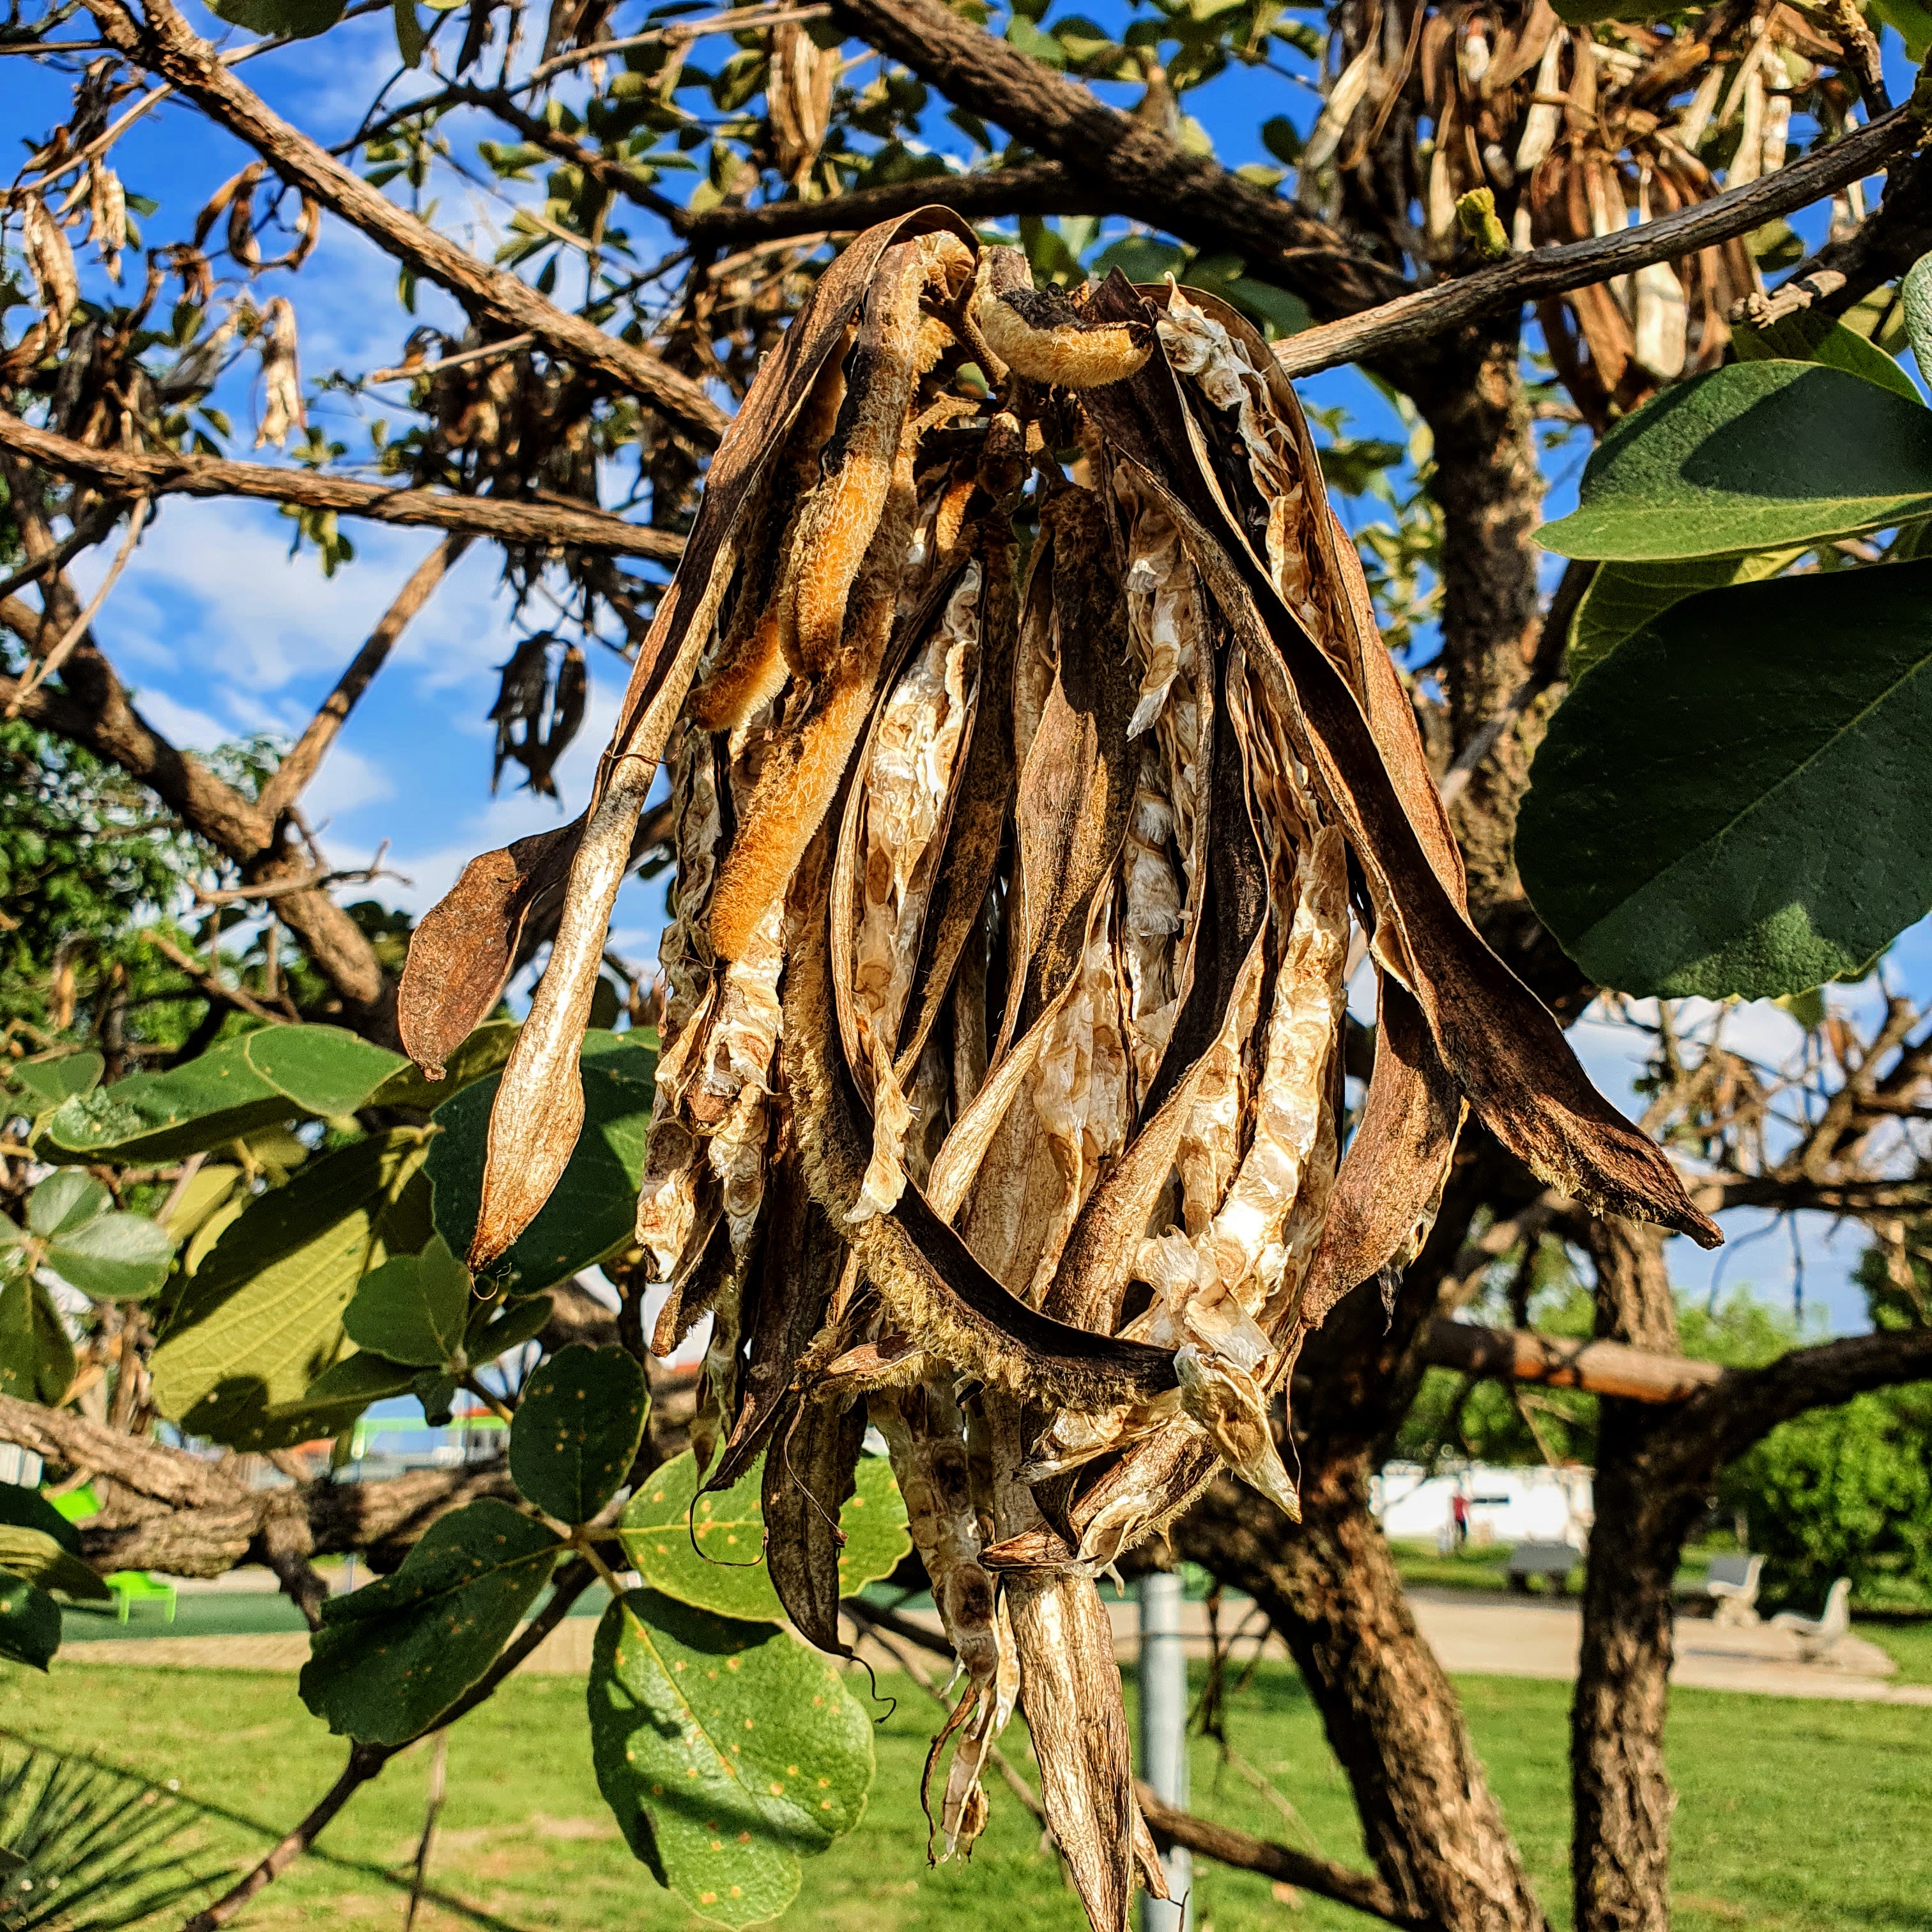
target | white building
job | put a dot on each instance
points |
(1506, 1506)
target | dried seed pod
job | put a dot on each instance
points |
(1005, 969)
(282, 407)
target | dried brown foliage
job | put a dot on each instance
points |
(1001, 1071)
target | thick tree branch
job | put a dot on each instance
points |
(1402, 324)
(1720, 1425)
(1142, 173)
(1032, 188)
(163, 43)
(507, 522)
(1603, 1368)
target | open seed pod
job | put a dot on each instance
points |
(1035, 758)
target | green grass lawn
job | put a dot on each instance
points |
(1795, 1816)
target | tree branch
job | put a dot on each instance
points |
(1402, 324)
(1140, 172)
(1557, 1361)
(1720, 1425)
(505, 521)
(163, 43)
(286, 783)
(1322, 1877)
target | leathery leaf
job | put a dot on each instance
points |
(727, 1750)
(390, 1658)
(576, 1430)
(726, 1573)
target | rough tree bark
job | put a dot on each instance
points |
(1621, 1791)
(1429, 1820)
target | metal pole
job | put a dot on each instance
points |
(1163, 1673)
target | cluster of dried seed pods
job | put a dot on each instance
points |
(1035, 758)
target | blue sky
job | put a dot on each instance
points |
(222, 633)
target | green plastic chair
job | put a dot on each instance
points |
(141, 1586)
(130, 1586)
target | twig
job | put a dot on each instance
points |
(38, 673)
(366, 1760)
(205, 982)
(303, 882)
(438, 1769)
(410, 371)
(671, 36)
(1861, 51)
(1322, 1877)
(497, 518)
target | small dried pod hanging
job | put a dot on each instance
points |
(1035, 761)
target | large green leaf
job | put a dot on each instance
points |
(30, 1622)
(576, 1430)
(1734, 801)
(45, 1560)
(262, 1317)
(27, 1509)
(1752, 457)
(725, 1572)
(232, 1091)
(1624, 597)
(593, 1211)
(390, 1658)
(1810, 335)
(482, 1054)
(299, 19)
(414, 1308)
(36, 1357)
(727, 1750)
(41, 1085)
(325, 1070)
(114, 1257)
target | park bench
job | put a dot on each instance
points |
(1731, 1583)
(1818, 1636)
(1553, 1562)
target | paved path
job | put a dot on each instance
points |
(1476, 1636)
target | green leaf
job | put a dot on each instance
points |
(1810, 335)
(323, 1069)
(414, 1308)
(36, 1357)
(1751, 456)
(592, 1212)
(1913, 20)
(521, 1321)
(483, 1053)
(300, 19)
(42, 1084)
(1733, 802)
(1623, 597)
(64, 1201)
(232, 1091)
(390, 1658)
(346, 1388)
(44, 1559)
(409, 37)
(215, 1098)
(1914, 295)
(114, 1257)
(30, 1622)
(27, 1509)
(576, 1430)
(726, 1571)
(262, 1317)
(727, 1750)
